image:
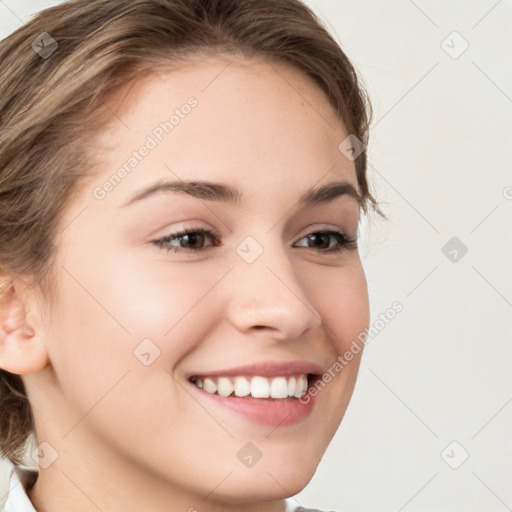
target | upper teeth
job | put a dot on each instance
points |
(257, 387)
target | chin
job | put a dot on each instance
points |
(277, 479)
(274, 485)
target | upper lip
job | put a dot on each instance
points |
(266, 369)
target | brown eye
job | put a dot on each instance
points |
(195, 241)
(321, 241)
(192, 240)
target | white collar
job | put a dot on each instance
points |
(16, 498)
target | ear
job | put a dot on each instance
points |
(22, 346)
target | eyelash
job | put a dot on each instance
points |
(345, 243)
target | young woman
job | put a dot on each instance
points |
(181, 183)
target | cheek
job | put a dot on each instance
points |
(342, 301)
(89, 347)
(343, 304)
(166, 303)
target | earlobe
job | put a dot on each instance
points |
(22, 348)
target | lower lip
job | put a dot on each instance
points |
(272, 412)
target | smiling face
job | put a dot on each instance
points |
(140, 315)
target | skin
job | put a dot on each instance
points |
(130, 437)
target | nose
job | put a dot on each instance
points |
(267, 296)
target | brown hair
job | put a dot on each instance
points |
(51, 98)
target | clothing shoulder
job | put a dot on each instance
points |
(290, 508)
(302, 509)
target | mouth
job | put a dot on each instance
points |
(270, 394)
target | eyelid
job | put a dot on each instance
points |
(323, 227)
(181, 227)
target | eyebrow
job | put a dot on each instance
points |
(211, 191)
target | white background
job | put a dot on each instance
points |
(440, 161)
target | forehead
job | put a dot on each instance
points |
(213, 78)
(253, 121)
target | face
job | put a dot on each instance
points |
(263, 285)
